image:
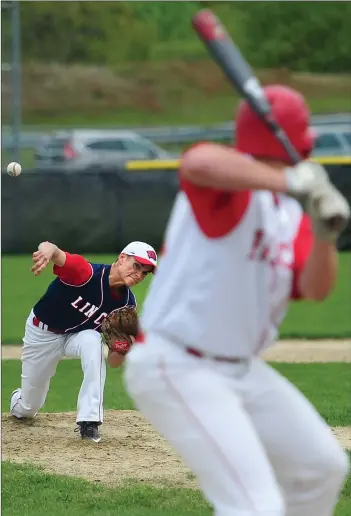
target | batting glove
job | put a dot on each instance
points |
(329, 212)
(304, 178)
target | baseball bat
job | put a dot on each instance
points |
(229, 58)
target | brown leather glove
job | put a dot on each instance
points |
(119, 329)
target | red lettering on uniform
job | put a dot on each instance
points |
(275, 255)
(256, 244)
(265, 253)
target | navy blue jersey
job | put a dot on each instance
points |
(71, 309)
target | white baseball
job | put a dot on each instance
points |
(14, 169)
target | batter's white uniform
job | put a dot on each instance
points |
(256, 445)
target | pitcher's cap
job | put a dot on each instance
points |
(142, 252)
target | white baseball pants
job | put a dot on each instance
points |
(42, 350)
(256, 445)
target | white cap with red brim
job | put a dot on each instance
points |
(142, 252)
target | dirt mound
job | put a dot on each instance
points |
(130, 449)
(308, 351)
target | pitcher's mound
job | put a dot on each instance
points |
(130, 449)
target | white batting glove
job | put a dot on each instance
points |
(304, 178)
(327, 207)
(329, 212)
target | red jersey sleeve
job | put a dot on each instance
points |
(76, 271)
(302, 248)
(217, 212)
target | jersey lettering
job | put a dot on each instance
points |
(91, 311)
(78, 300)
(85, 310)
(276, 255)
(84, 307)
(101, 317)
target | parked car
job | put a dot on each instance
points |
(332, 141)
(85, 148)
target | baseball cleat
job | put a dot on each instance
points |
(12, 405)
(89, 431)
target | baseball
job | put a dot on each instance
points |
(14, 169)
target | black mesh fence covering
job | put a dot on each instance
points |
(86, 211)
(100, 211)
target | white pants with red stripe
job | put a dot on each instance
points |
(255, 443)
(42, 350)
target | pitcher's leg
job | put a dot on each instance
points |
(88, 346)
(204, 421)
(40, 355)
(309, 462)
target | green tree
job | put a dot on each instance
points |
(312, 36)
(86, 32)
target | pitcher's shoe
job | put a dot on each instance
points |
(13, 403)
(89, 430)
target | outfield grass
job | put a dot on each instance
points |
(20, 290)
(27, 490)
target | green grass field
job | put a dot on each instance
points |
(28, 490)
(20, 290)
(328, 385)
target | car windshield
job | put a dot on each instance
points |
(348, 137)
(55, 145)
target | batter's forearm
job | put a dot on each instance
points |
(318, 277)
(222, 168)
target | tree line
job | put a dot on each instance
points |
(302, 36)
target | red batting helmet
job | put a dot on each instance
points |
(292, 114)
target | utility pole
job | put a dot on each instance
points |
(16, 80)
(15, 68)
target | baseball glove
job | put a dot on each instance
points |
(119, 328)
